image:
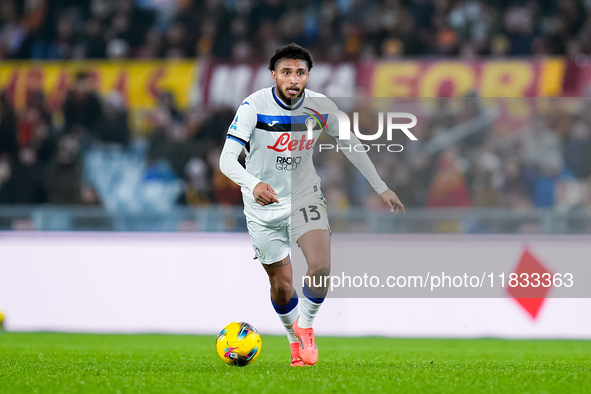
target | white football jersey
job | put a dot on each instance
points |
(278, 148)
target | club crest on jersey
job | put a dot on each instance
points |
(286, 143)
(314, 118)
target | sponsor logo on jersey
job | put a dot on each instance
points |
(286, 143)
(273, 123)
(289, 163)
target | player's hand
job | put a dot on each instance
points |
(392, 201)
(264, 194)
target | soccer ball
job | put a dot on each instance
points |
(238, 344)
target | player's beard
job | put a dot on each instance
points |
(287, 99)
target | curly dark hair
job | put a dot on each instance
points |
(291, 51)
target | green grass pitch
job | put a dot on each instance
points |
(84, 363)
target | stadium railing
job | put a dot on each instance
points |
(356, 220)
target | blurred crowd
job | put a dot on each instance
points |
(42, 163)
(42, 152)
(541, 162)
(334, 30)
(512, 153)
(468, 156)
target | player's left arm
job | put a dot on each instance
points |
(392, 201)
(365, 166)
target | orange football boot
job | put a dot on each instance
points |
(307, 345)
(296, 361)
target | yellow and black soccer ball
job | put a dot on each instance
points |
(238, 344)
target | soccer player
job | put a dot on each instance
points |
(281, 190)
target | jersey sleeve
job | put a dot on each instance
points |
(237, 138)
(359, 158)
(231, 168)
(244, 123)
(362, 162)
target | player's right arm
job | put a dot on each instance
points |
(238, 136)
(264, 194)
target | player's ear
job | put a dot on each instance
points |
(274, 75)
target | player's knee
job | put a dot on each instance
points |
(320, 269)
(282, 293)
(281, 288)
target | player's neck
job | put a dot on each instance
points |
(284, 102)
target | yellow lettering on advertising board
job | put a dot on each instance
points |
(458, 76)
(395, 79)
(506, 78)
(139, 82)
